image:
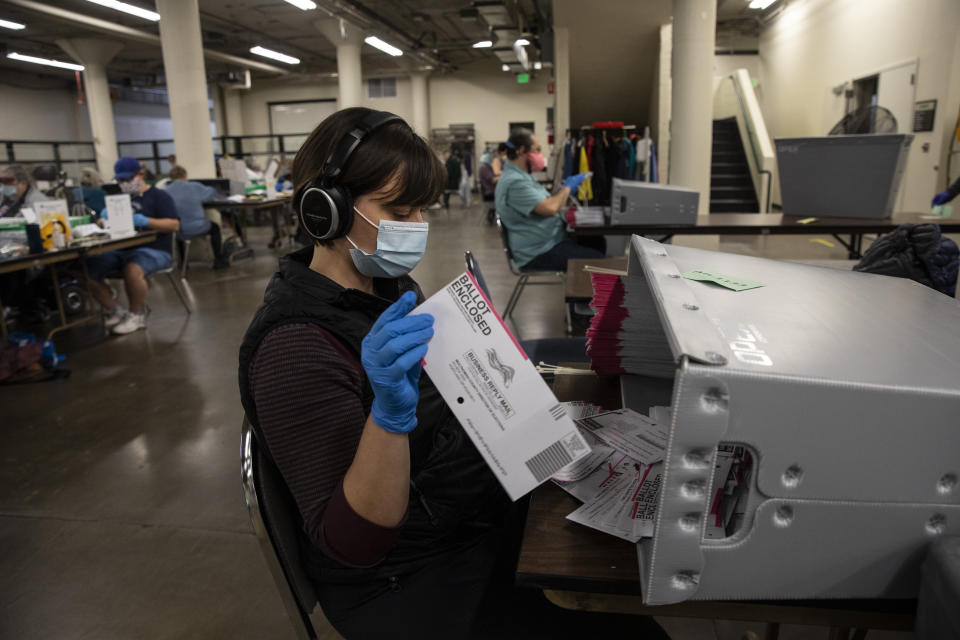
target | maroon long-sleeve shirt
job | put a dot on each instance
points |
(312, 403)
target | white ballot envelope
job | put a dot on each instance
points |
(120, 215)
(493, 389)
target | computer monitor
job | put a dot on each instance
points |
(220, 185)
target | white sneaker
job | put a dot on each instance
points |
(131, 323)
(114, 316)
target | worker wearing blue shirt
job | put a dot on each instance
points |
(189, 197)
(537, 234)
(154, 210)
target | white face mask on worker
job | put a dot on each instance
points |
(400, 247)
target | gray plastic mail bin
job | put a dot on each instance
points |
(845, 388)
(856, 176)
(635, 202)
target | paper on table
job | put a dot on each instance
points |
(602, 511)
(631, 433)
(607, 472)
(493, 389)
(119, 215)
(580, 469)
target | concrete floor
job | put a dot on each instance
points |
(121, 514)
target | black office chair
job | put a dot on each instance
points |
(549, 350)
(523, 275)
(273, 514)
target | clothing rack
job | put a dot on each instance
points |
(609, 149)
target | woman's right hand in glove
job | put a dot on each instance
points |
(391, 353)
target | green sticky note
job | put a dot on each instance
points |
(807, 221)
(730, 282)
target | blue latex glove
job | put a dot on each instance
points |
(140, 221)
(391, 354)
(103, 213)
(940, 198)
(574, 182)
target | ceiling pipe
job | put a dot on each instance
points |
(365, 18)
(135, 34)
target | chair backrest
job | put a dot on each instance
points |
(174, 258)
(505, 237)
(473, 268)
(276, 523)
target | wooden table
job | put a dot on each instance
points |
(777, 224)
(53, 258)
(579, 568)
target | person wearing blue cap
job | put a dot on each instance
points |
(153, 210)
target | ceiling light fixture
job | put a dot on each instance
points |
(6, 24)
(505, 67)
(377, 43)
(306, 5)
(44, 61)
(483, 44)
(523, 42)
(269, 53)
(128, 8)
(538, 65)
(761, 4)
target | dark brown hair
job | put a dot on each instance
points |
(519, 139)
(392, 150)
(177, 172)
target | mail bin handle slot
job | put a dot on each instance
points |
(623, 203)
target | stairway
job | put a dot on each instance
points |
(731, 189)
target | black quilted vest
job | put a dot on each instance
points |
(454, 498)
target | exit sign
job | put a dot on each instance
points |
(523, 78)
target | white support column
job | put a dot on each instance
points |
(420, 97)
(187, 85)
(233, 112)
(561, 78)
(348, 40)
(94, 56)
(691, 126)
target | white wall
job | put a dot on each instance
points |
(613, 56)
(481, 94)
(725, 65)
(256, 114)
(815, 45)
(490, 99)
(42, 114)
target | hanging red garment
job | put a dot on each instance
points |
(590, 142)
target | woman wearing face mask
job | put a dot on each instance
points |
(19, 191)
(405, 531)
(532, 216)
(401, 517)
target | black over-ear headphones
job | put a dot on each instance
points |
(325, 207)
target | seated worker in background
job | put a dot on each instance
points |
(402, 524)
(19, 191)
(189, 198)
(153, 209)
(946, 196)
(537, 234)
(94, 197)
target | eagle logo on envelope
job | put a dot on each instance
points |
(507, 372)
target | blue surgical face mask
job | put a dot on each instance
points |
(8, 190)
(400, 246)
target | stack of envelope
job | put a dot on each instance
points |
(625, 334)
